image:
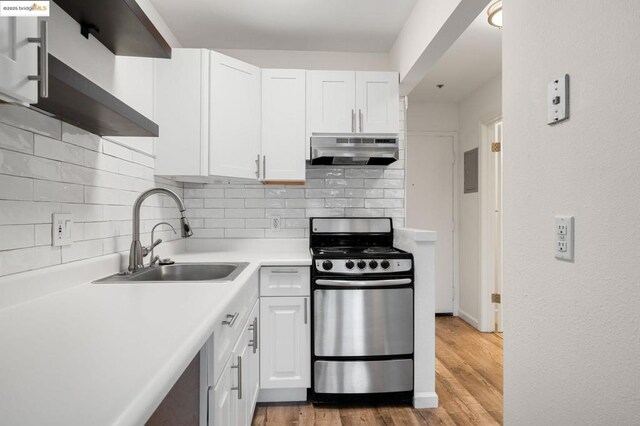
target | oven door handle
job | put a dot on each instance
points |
(364, 283)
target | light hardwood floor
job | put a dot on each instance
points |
(468, 382)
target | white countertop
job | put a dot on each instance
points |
(108, 354)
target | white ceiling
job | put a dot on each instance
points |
(329, 25)
(474, 59)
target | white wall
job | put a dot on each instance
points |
(479, 108)
(357, 61)
(572, 329)
(432, 117)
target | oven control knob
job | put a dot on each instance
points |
(373, 264)
(327, 265)
(349, 264)
(385, 264)
(362, 264)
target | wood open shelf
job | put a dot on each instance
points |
(121, 25)
(76, 100)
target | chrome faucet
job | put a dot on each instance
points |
(137, 252)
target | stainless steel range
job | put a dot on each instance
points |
(362, 310)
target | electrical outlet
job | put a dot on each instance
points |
(61, 229)
(564, 230)
(558, 100)
(275, 223)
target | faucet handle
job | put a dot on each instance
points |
(147, 250)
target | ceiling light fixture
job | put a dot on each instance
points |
(495, 13)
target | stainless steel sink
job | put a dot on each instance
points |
(186, 272)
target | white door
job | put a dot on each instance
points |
(377, 102)
(430, 204)
(18, 59)
(283, 125)
(234, 132)
(285, 356)
(331, 101)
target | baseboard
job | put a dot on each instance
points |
(444, 314)
(468, 318)
(282, 395)
(425, 400)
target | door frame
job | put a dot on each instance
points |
(486, 253)
(456, 206)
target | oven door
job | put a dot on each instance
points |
(362, 322)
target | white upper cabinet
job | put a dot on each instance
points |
(234, 117)
(208, 109)
(331, 101)
(283, 125)
(378, 102)
(182, 112)
(353, 102)
(18, 60)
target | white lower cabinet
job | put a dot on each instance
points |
(285, 333)
(229, 373)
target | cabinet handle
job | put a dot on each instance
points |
(43, 62)
(264, 166)
(239, 368)
(305, 310)
(360, 116)
(284, 271)
(209, 388)
(353, 120)
(253, 343)
(231, 319)
(258, 167)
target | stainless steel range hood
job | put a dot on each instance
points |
(354, 151)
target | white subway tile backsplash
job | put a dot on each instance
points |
(244, 233)
(383, 202)
(244, 213)
(244, 193)
(296, 203)
(56, 150)
(20, 164)
(16, 236)
(220, 203)
(16, 139)
(76, 136)
(273, 203)
(325, 193)
(48, 167)
(30, 120)
(45, 190)
(15, 188)
(224, 223)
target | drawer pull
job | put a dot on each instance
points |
(253, 343)
(231, 319)
(285, 271)
(239, 368)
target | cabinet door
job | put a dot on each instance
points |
(182, 112)
(285, 342)
(283, 125)
(234, 135)
(378, 102)
(18, 59)
(331, 101)
(253, 361)
(239, 396)
(220, 406)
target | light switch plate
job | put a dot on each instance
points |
(558, 100)
(62, 224)
(564, 238)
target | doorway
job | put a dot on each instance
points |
(494, 163)
(430, 204)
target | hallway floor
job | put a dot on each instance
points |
(468, 383)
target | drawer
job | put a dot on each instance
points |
(284, 281)
(225, 335)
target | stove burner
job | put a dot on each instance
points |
(380, 250)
